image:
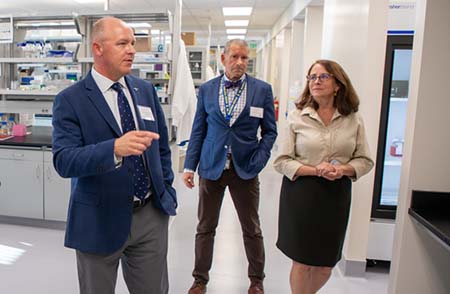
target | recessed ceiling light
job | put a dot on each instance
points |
(228, 11)
(237, 23)
(89, 1)
(229, 37)
(237, 31)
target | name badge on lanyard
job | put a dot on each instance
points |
(230, 107)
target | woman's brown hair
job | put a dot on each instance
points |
(346, 100)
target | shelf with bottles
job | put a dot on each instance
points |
(36, 65)
(28, 60)
(39, 79)
(18, 106)
(139, 58)
(157, 80)
(197, 62)
(27, 93)
(136, 60)
(44, 49)
(60, 45)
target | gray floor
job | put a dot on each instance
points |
(33, 260)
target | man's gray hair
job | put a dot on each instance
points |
(238, 42)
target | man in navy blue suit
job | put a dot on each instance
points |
(110, 137)
(228, 152)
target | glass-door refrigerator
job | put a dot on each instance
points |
(392, 125)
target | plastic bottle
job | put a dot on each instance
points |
(28, 49)
(21, 45)
(46, 78)
(4, 128)
(40, 49)
(47, 48)
(34, 49)
(11, 124)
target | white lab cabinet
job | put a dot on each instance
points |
(56, 191)
(21, 183)
(30, 186)
(197, 63)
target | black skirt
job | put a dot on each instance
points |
(313, 219)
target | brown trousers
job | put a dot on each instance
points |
(245, 196)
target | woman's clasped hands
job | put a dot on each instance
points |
(329, 171)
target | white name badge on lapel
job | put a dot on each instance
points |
(256, 112)
(146, 113)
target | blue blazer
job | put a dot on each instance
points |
(101, 201)
(211, 135)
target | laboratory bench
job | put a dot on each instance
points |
(31, 192)
(432, 210)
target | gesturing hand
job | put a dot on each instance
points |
(134, 143)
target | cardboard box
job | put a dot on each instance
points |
(143, 44)
(189, 38)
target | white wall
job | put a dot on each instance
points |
(354, 34)
(285, 68)
(274, 73)
(295, 8)
(420, 264)
(313, 36)
(296, 65)
(297, 47)
(401, 15)
(261, 63)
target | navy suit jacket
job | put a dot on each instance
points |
(101, 201)
(211, 134)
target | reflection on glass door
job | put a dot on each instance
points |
(392, 126)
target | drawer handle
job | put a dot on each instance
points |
(38, 171)
(49, 174)
(18, 155)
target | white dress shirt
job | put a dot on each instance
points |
(110, 95)
(104, 84)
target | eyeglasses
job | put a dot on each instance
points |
(322, 77)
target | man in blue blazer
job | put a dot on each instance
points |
(110, 137)
(226, 148)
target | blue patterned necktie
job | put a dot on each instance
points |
(141, 178)
(230, 84)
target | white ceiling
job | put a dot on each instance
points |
(196, 14)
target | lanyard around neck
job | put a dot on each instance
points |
(229, 107)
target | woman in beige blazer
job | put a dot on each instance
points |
(325, 150)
